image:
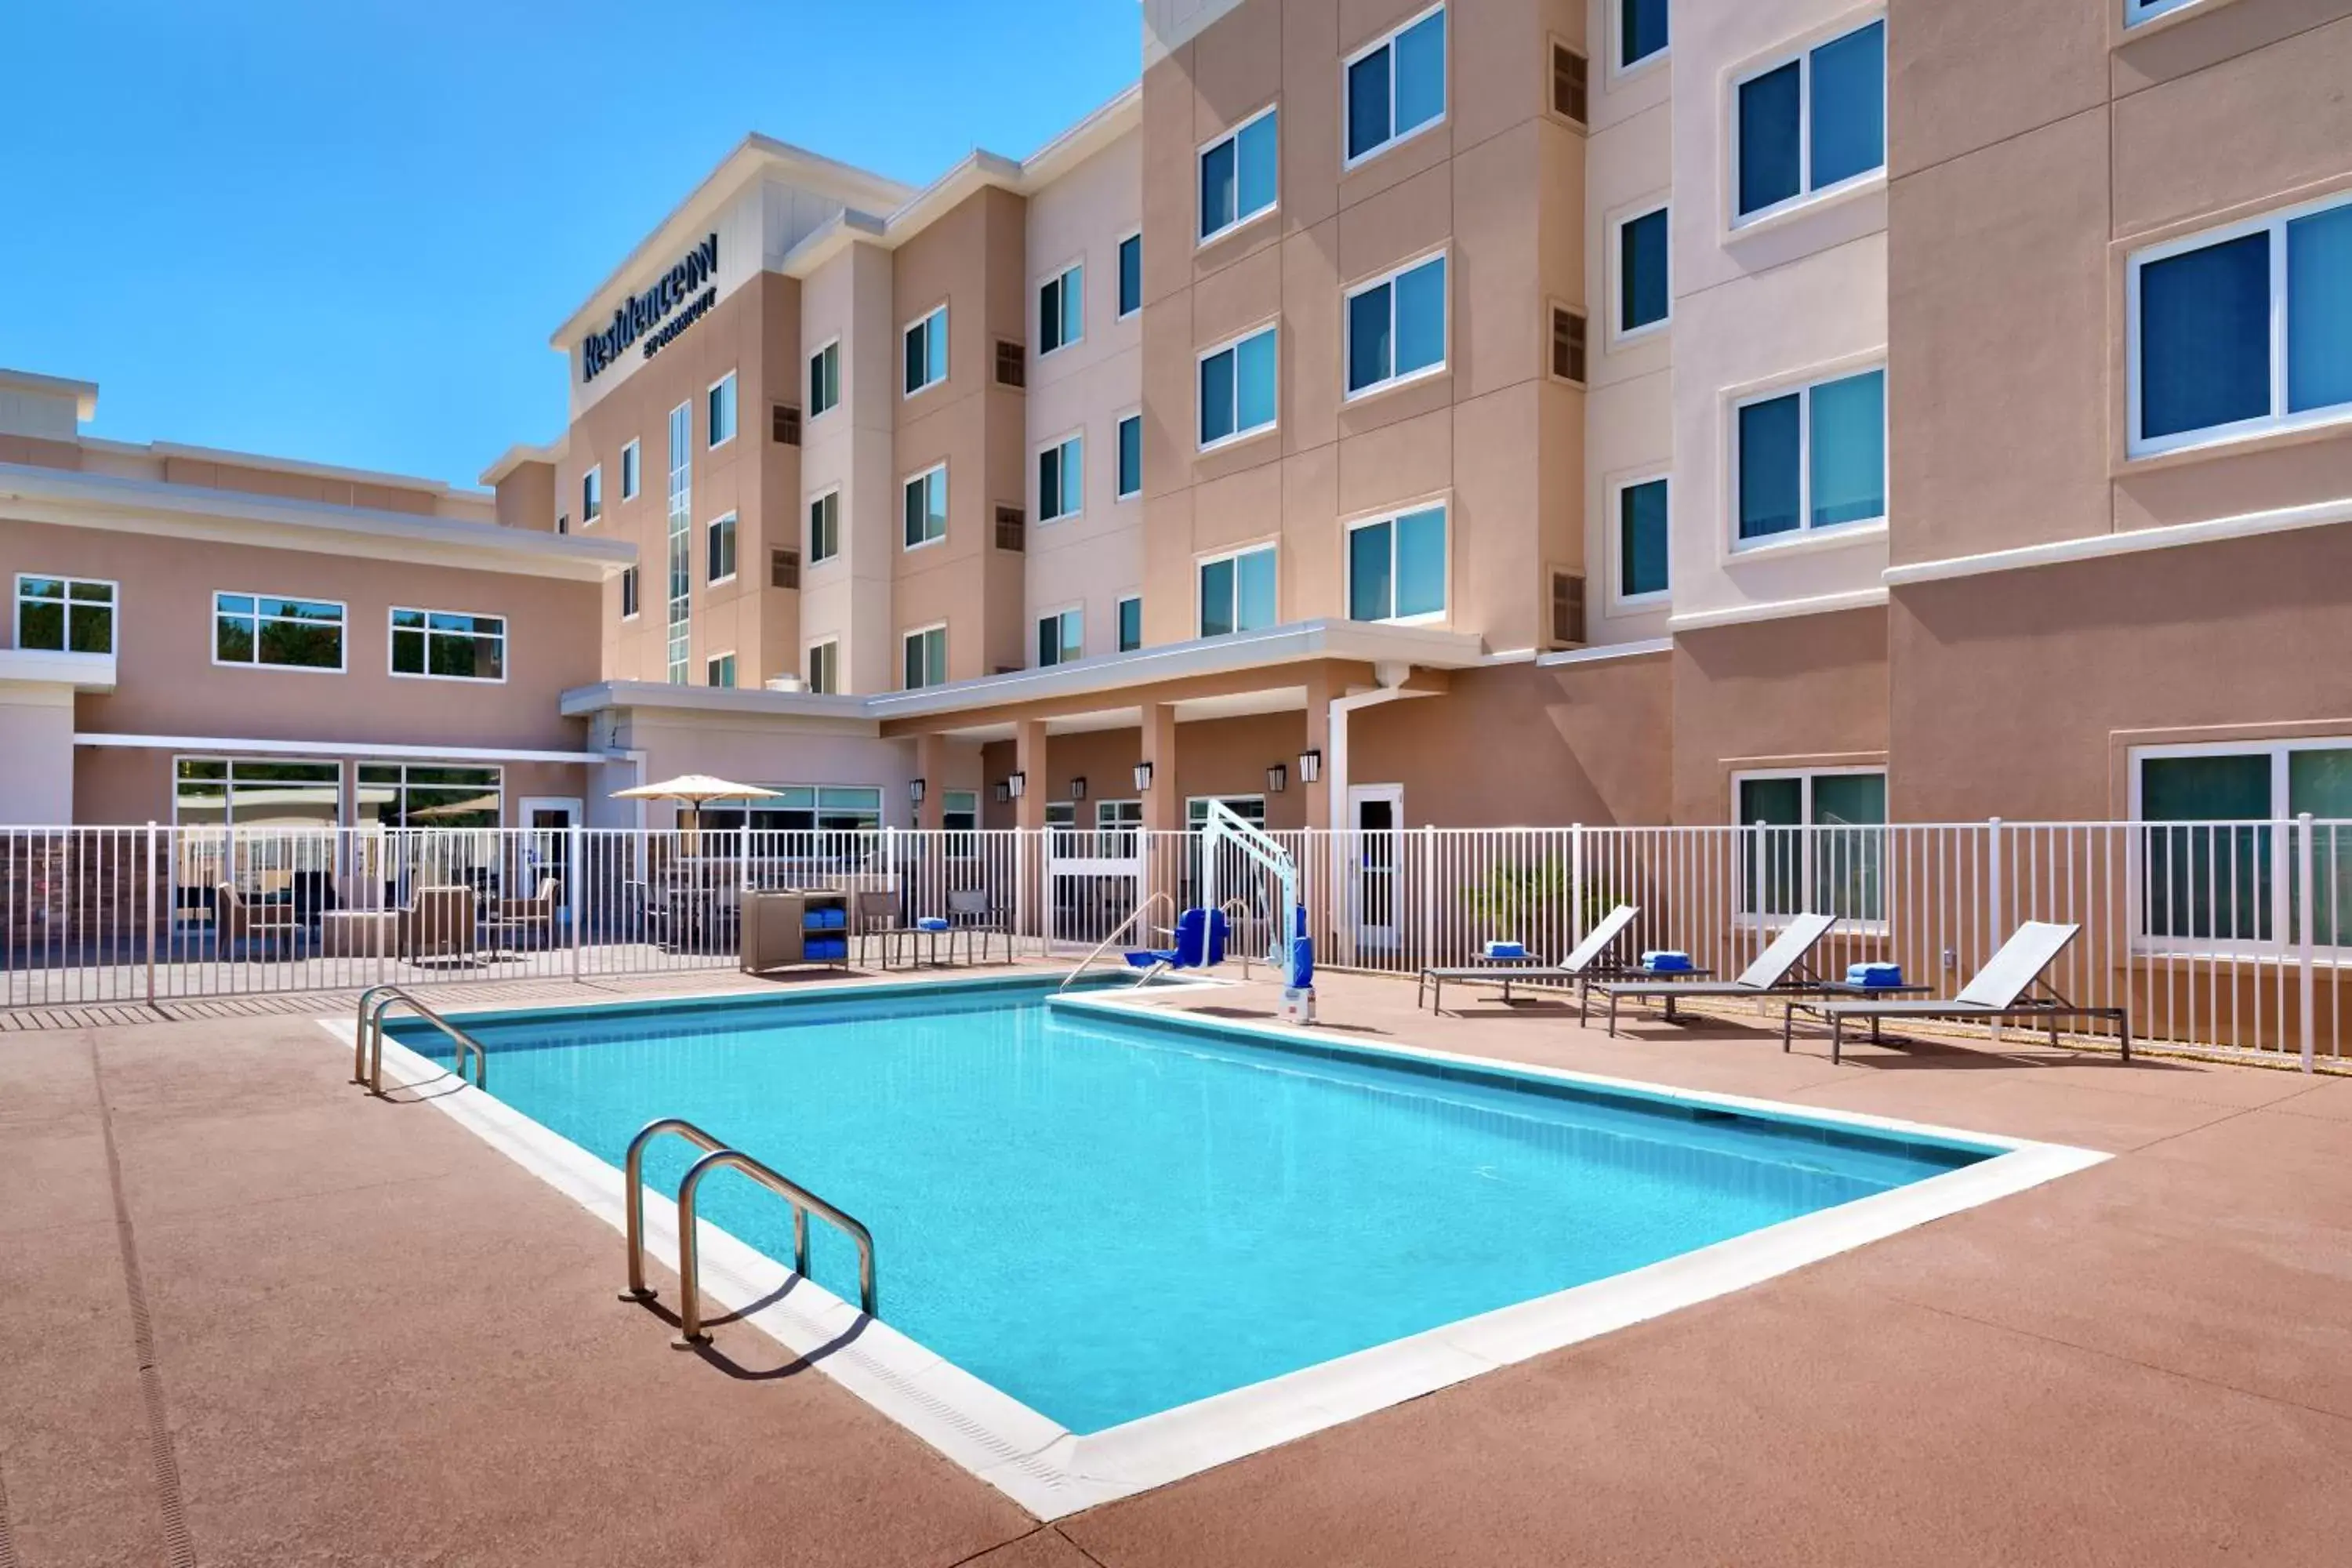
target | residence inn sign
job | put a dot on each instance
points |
(676, 300)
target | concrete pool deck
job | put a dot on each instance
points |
(254, 1316)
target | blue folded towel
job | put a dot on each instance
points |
(1874, 975)
(931, 922)
(1665, 961)
(825, 950)
(1506, 949)
(831, 918)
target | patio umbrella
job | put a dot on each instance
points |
(693, 790)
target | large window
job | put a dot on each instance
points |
(721, 419)
(1238, 175)
(679, 543)
(1061, 481)
(1237, 388)
(592, 496)
(959, 811)
(396, 794)
(1237, 592)
(1813, 123)
(718, 550)
(1130, 275)
(1814, 457)
(65, 615)
(1062, 311)
(825, 666)
(1130, 622)
(1641, 30)
(1817, 842)
(223, 792)
(925, 660)
(1396, 84)
(1061, 638)
(1644, 287)
(445, 646)
(720, 671)
(802, 808)
(926, 507)
(2242, 330)
(1130, 455)
(629, 466)
(1396, 567)
(1396, 327)
(824, 378)
(290, 634)
(825, 527)
(1642, 540)
(2222, 870)
(927, 351)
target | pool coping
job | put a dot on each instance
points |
(1054, 1472)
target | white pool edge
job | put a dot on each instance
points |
(1054, 1472)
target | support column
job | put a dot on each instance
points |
(931, 767)
(1320, 689)
(1163, 802)
(1029, 760)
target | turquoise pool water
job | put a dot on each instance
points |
(1107, 1219)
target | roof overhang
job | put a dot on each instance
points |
(516, 456)
(83, 393)
(64, 671)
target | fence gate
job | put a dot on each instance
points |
(1094, 880)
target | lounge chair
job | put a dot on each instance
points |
(1780, 968)
(1588, 960)
(438, 923)
(237, 920)
(1999, 990)
(522, 923)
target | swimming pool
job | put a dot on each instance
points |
(1108, 1214)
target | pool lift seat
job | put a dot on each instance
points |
(1199, 944)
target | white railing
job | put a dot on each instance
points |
(2228, 934)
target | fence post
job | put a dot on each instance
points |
(1992, 892)
(2302, 917)
(576, 855)
(1576, 884)
(151, 938)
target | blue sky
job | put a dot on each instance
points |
(342, 230)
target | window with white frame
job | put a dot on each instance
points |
(591, 495)
(415, 794)
(824, 378)
(1061, 480)
(2138, 11)
(1130, 455)
(925, 657)
(801, 809)
(718, 551)
(1250, 809)
(1130, 275)
(1640, 31)
(1396, 84)
(926, 508)
(1815, 840)
(1130, 622)
(1643, 286)
(237, 791)
(959, 811)
(1061, 638)
(628, 592)
(65, 615)
(1396, 566)
(824, 665)
(679, 544)
(2223, 853)
(1396, 327)
(1812, 458)
(1062, 309)
(2243, 329)
(1643, 540)
(825, 527)
(1239, 176)
(1237, 592)
(1238, 387)
(719, 669)
(444, 646)
(719, 415)
(286, 634)
(1811, 123)
(927, 351)
(629, 470)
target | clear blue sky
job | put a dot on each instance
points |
(342, 230)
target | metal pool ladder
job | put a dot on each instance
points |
(1119, 931)
(718, 1156)
(367, 1038)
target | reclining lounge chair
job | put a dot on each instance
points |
(2002, 990)
(1781, 967)
(1587, 961)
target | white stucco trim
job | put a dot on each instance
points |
(1778, 610)
(66, 671)
(336, 749)
(2130, 542)
(1607, 651)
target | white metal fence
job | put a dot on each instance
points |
(2215, 934)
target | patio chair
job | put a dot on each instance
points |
(438, 923)
(972, 911)
(1781, 968)
(874, 913)
(519, 922)
(2002, 990)
(237, 919)
(1588, 960)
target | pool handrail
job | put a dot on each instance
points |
(367, 1038)
(1119, 931)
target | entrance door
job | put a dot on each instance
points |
(547, 823)
(1375, 813)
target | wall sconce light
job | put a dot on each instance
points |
(915, 791)
(1310, 766)
(1002, 794)
(1016, 785)
(1142, 777)
(1277, 779)
(1078, 787)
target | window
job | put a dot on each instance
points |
(1238, 175)
(1011, 364)
(1396, 327)
(1641, 30)
(65, 615)
(291, 634)
(825, 527)
(1642, 298)
(2243, 329)
(720, 669)
(1813, 123)
(1130, 275)
(1061, 638)
(1130, 455)
(718, 550)
(926, 507)
(1396, 567)
(220, 792)
(825, 666)
(444, 646)
(1237, 388)
(801, 809)
(824, 378)
(628, 592)
(592, 496)
(926, 661)
(2138, 11)
(1061, 481)
(1237, 592)
(1130, 624)
(959, 811)
(678, 555)
(629, 471)
(1062, 311)
(1396, 86)
(392, 794)
(721, 419)
(1818, 844)
(1642, 540)
(2226, 866)
(927, 351)
(1814, 457)
(1250, 809)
